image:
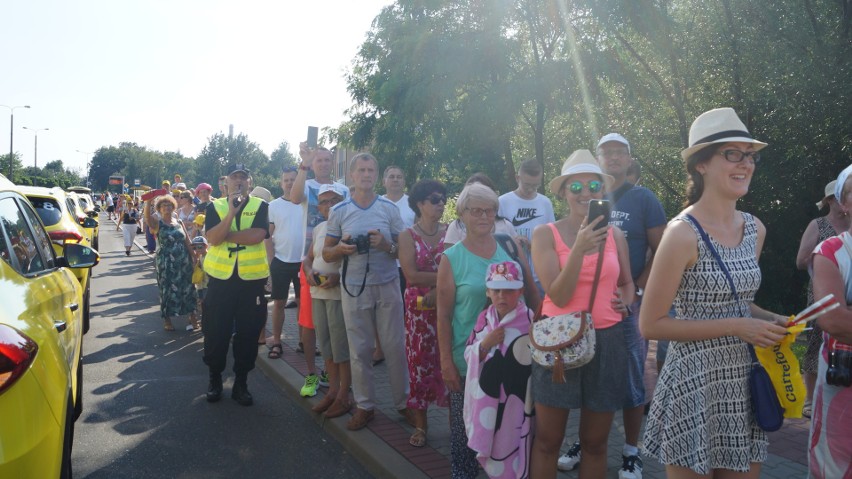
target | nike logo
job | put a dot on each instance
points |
(519, 221)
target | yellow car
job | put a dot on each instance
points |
(63, 226)
(84, 209)
(41, 334)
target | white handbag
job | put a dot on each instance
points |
(565, 341)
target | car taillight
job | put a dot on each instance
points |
(62, 236)
(17, 352)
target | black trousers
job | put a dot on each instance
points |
(233, 307)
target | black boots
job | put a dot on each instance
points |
(240, 393)
(214, 389)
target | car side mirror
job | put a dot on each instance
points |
(90, 223)
(75, 255)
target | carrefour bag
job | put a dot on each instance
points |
(783, 367)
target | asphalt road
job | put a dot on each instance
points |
(144, 409)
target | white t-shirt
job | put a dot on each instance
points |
(310, 210)
(525, 215)
(405, 211)
(456, 231)
(322, 267)
(289, 230)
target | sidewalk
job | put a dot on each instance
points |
(383, 446)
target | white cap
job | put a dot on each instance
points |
(332, 187)
(614, 137)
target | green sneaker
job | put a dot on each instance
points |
(309, 390)
(323, 379)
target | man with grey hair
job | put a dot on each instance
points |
(362, 232)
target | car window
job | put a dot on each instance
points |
(42, 239)
(23, 244)
(72, 207)
(47, 208)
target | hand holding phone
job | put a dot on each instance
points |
(313, 134)
(238, 196)
(599, 208)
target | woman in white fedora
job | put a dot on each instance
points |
(565, 255)
(701, 422)
(818, 230)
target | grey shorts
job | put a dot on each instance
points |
(599, 386)
(331, 330)
(637, 350)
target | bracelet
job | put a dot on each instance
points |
(304, 168)
(483, 349)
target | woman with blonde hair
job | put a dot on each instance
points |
(461, 297)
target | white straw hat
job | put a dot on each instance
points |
(721, 125)
(581, 161)
(829, 191)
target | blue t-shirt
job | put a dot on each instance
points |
(636, 211)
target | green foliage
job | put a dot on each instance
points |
(52, 174)
(446, 88)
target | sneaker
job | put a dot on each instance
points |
(309, 390)
(631, 467)
(570, 459)
(323, 379)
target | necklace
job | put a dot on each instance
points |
(437, 227)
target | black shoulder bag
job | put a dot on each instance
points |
(768, 412)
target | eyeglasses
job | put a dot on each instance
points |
(576, 187)
(435, 199)
(736, 156)
(478, 212)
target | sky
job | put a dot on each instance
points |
(169, 74)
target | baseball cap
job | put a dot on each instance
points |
(238, 167)
(199, 220)
(203, 186)
(199, 240)
(332, 187)
(614, 137)
(505, 275)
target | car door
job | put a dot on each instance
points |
(45, 298)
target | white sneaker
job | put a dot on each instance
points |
(631, 467)
(189, 327)
(570, 459)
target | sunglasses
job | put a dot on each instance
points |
(736, 156)
(576, 187)
(435, 199)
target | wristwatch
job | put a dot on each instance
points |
(393, 249)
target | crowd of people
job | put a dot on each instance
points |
(450, 306)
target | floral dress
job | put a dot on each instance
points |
(174, 272)
(421, 333)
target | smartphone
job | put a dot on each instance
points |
(313, 133)
(598, 208)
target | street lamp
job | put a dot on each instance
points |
(35, 131)
(12, 132)
(88, 163)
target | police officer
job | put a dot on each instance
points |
(236, 263)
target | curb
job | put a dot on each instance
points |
(379, 458)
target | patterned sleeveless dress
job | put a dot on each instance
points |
(701, 416)
(174, 272)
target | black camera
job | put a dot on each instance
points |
(361, 242)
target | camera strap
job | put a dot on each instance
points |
(363, 281)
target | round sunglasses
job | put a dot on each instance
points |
(576, 187)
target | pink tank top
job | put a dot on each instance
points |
(602, 313)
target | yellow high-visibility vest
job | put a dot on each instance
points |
(250, 260)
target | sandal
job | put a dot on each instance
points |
(167, 325)
(807, 410)
(275, 351)
(418, 439)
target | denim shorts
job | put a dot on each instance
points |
(598, 386)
